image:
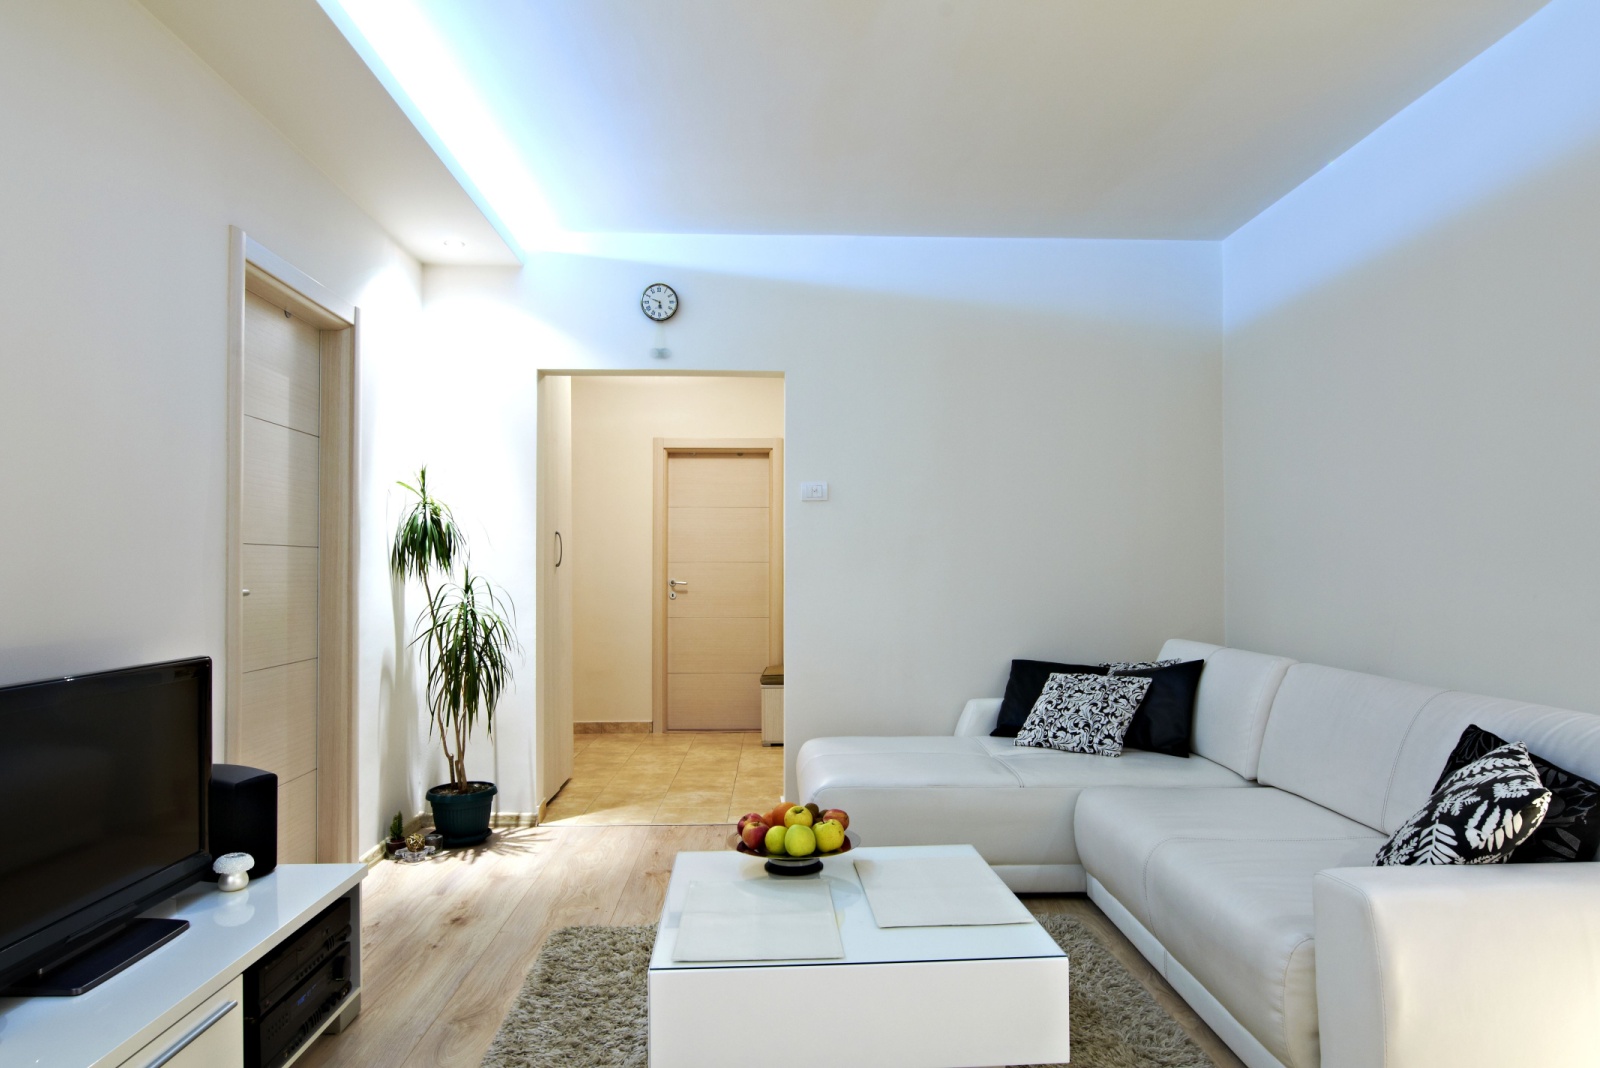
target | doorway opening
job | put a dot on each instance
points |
(661, 606)
(289, 680)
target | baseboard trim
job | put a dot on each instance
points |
(628, 727)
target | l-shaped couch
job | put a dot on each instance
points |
(1244, 872)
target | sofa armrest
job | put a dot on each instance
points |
(1465, 966)
(979, 717)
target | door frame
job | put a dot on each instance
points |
(256, 269)
(773, 447)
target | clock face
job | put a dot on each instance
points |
(659, 302)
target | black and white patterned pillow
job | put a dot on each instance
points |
(1571, 826)
(1479, 814)
(1083, 713)
(1117, 666)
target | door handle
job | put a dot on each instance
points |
(677, 582)
(672, 588)
(561, 549)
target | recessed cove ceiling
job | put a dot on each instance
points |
(1073, 118)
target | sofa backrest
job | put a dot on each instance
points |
(1334, 737)
(1569, 740)
(1233, 703)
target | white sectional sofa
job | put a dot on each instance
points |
(1244, 872)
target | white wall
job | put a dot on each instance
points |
(1022, 438)
(1413, 387)
(615, 421)
(125, 162)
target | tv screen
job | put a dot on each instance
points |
(104, 778)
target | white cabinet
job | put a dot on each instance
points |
(212, 1036)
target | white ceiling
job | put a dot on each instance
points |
(288, 59)
(1037, 118)
(1077, 118)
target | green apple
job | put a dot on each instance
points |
(830, 835)
(776, 836)
(797, 816)
(798, 841)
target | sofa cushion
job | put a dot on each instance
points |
(1570, 829)
(1164, 722)
(933, 791)
(1083, 714)
(1239, 917)
(1565, 738)
(1479, 814)
(1120, 830)
(1334, 737)
(1223, 879)
(1233, 701)
(1023, 687)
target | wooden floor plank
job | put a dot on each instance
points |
(647, 883)
(581, 885)
(405, 990)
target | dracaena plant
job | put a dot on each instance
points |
(465, 629)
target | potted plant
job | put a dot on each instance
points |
(397, 833)
(468, 641)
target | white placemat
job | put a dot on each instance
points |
(938, 892)
(764, 919)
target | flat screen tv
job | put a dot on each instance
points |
(103, 779)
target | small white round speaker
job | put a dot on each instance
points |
(234, 869)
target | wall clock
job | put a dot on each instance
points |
(659, 302)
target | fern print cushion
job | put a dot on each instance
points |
(1478, 815)
(1571, 826)
(1083, 713)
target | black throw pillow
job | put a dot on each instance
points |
(1165, 718)
(1024, 687)
(1571, 827)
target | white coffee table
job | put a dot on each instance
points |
(905, 997)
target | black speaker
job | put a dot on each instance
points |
(244, 815)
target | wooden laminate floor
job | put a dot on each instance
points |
(674, 778)
(447, 942)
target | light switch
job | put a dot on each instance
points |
(813, 491)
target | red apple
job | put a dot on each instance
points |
(748, 816)
(837, 814)
(754, 833)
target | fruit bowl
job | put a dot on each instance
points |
(787, 865)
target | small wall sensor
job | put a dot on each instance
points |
(813, 491)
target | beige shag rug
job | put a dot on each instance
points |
(583, 1006)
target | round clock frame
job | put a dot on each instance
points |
(659, 302)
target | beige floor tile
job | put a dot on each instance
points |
(683, 778)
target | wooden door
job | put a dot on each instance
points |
(719, 582)
(280, 561)
(555, 751)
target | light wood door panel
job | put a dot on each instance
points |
(715, 702)
(278, 721)
(720, 590)
(280, 615)
(719, 481)
(718, 626)
(717, 535)
(717, 645)
(297, 820)
(281, 485)
(282, 367)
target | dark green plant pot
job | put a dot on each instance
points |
(463, 819)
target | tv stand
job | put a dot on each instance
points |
(183, 1004)
(86, 967)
